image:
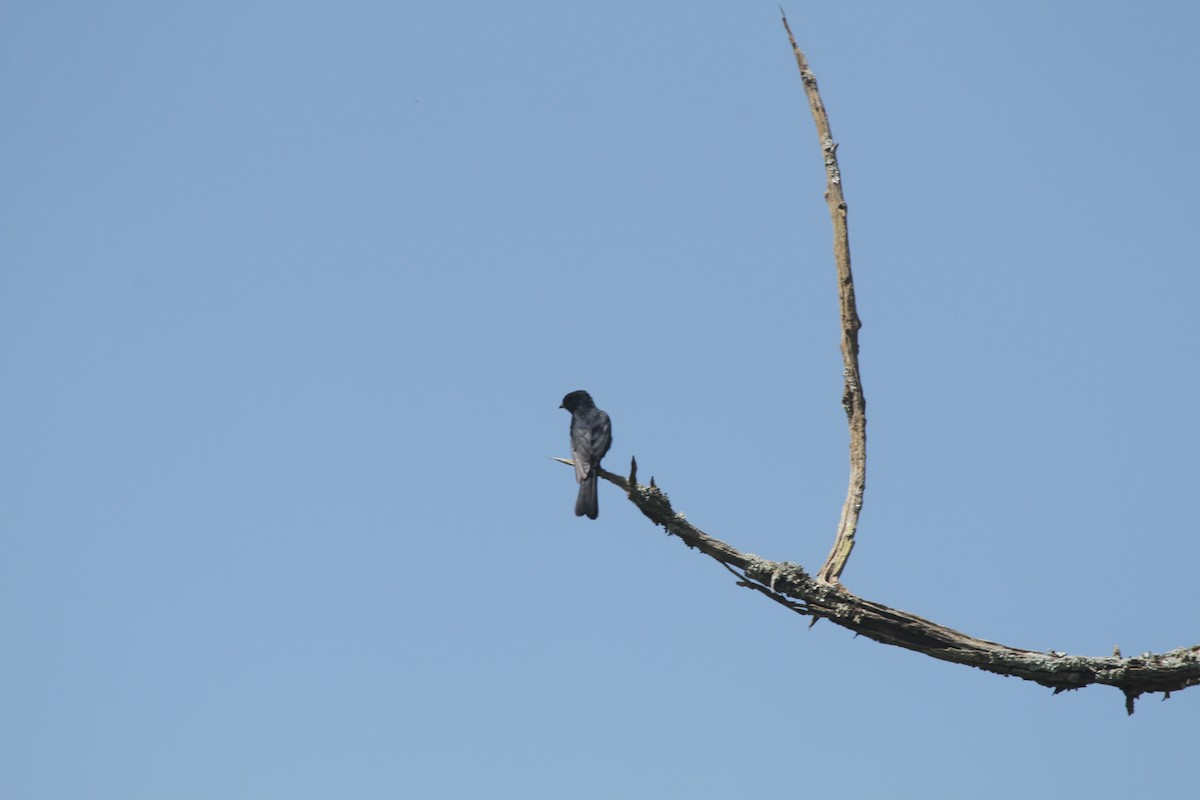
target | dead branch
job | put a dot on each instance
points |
(789, 585)
(823, 597)
(853, 401)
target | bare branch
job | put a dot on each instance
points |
(823, 597)
(853, 401)
(789, 585)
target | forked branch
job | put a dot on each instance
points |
(823, 596)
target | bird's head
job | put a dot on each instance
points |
(577, 399)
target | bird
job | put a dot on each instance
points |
(591, 436)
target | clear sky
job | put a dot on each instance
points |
(290, 294)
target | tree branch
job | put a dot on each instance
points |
(823, 597)
(853, 401)
(789, 585)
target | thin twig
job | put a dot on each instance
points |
(853, 401)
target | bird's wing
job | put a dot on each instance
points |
(581, 442)
(601, 435)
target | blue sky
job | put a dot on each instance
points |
(290, 294)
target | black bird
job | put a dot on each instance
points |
(591, 436)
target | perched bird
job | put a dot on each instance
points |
(591, 436)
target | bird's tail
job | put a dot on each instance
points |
(587, 503)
